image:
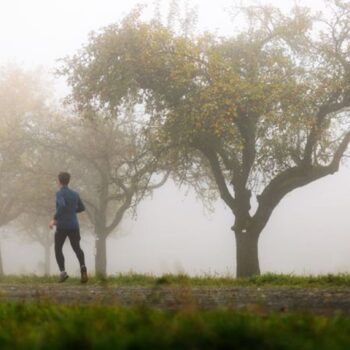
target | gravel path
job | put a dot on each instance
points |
(326, 301)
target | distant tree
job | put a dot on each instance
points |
(21, 98)
(43, 161)
(35, 230)
(112, 166)
(42, 167)
(250, 117)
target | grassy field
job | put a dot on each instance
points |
(49, 326)
(268, 280)
(46, 325)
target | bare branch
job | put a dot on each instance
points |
(119, 214)
(218, 175)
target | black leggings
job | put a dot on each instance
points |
(74, 238)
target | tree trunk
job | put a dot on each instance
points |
(47, 265)
(101, 256)
(247, 254)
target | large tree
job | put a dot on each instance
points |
(251, 117)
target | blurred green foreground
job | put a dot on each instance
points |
(52, 326)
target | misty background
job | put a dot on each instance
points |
(309, 232)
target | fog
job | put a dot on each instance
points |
(309, 232)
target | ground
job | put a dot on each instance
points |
(326, 300)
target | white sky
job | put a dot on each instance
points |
(40, 31)
(308, 233)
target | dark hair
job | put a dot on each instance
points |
(64, 178)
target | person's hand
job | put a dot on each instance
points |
(52, 223)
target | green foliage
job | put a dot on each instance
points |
(49, 326)
(251, 99)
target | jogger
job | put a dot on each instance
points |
(68, 204)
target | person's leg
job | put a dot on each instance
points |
(60, 237)
(74, 238)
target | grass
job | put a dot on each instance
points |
(265, 280)
(50, 326)
(45, 325)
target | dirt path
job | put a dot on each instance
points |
(317, 300)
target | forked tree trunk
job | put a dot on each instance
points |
(47, 262)
(247, 254)
(100, 256)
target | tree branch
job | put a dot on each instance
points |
(119, 215)
(218, 175)
(291, 179)
(324, 110)
(159, 184)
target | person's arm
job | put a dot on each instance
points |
(60, 205)
(80, 205)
